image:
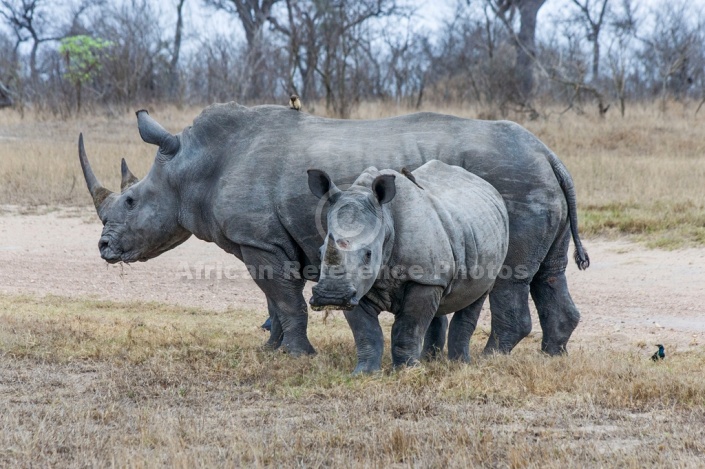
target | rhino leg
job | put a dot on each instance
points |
(285, 300)
(557, 313)
(411, 322)
(462, 326)
(549, 289)
(364, 323)
(435, 338)
(511, 319)
(276, 333)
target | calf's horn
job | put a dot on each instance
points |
(98, 192)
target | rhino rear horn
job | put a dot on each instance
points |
(152, 132)
(128, 179)
(98, 192)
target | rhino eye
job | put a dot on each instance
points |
(368, 256)
(130, 202)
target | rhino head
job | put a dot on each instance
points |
(354, 248)
(140, 222)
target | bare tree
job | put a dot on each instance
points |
(136, 69)
(671, 48)
(8, 69)
(474, 60)
(620, 54)
(405, 68)
(524, 39)
(304, 43)
(5, 97)
(592, 15)
(253, 15)
(565, 64)
(331, 41)
(173, 65)
(27, 18)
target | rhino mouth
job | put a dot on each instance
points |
(112, 253)
(322, 302)
(108, 252)
(113, 258)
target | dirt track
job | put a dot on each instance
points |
(630, 296)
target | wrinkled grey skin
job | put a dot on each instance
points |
(237, 177)
(418, 250)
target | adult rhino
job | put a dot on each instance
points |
(237, 177)
(421, 248)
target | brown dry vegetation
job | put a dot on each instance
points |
(87, 383)
(640, 176)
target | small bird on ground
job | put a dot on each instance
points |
(660, 353)
(410, 177)
(294, 102)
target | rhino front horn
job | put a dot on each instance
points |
(98, 192)
(152, 132)
(128, 179)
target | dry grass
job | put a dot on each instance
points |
(640, 176)
(86, 383)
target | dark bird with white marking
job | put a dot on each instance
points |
(659, 354)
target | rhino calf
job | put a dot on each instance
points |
(419, 248)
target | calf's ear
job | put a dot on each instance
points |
(320, 183)
(384, 188)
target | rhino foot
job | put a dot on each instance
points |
(431, 354)
(270, 346)
(553, 349)
(366, 369)
(298, 349)
(401, 364)
(462, 356)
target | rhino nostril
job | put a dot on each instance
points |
(103, 244)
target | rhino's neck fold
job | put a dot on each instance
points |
(195, 218)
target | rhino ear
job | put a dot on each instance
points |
(152, 132)
(384, 188)
(320, 183)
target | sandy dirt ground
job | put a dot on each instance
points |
(629, 297)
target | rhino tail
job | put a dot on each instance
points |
(566, 182)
